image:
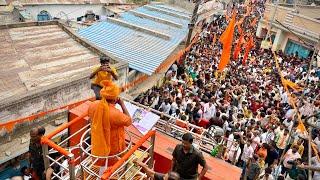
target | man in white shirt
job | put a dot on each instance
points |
(246, 155)
(290, 113)
(209, 110)
(291, 155)
(165, 106)
(288, 123)
(255, 140)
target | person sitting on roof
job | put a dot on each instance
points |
(103, 72)
(107, 124)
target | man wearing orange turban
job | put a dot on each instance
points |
(107, 123)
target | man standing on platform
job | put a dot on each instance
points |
(186, 159)
(107, 125)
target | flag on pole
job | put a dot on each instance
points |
(226, 39)
(291, 84)
(237, 49)
(249, 46)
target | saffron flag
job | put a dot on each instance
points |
(226, 39)
(238, 47)
(238, 24)
(249, 46)
(292, 85)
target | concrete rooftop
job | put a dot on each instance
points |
(38, 56)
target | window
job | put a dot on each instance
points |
(44, 16)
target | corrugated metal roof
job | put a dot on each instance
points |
(143, 51)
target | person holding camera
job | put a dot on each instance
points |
(103, 72)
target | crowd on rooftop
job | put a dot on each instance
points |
(247, 101)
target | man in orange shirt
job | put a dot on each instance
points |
(107, 125)
(103, 72)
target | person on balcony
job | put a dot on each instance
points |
(107, 124)
(103, 72)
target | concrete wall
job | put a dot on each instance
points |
(73, 11)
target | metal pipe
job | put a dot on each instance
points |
(72, 173)
(151, 151)
(45, 153)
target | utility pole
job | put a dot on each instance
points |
(193, 21)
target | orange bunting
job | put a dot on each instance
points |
(249, 46)
(226, 39)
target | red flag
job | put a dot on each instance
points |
(226, 39)
(248, 49)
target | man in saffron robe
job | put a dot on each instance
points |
(107, 124)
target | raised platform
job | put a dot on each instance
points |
(164, 146)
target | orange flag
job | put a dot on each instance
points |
(238, 47)
(238, 24)
(249, 46)
(292, 85)
(226, 39)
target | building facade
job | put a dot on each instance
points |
(295, 29)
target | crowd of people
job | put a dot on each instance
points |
(247, 100)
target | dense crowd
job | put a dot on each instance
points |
(247, 101)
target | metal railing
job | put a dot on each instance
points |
(66, 164)
(174, 127)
